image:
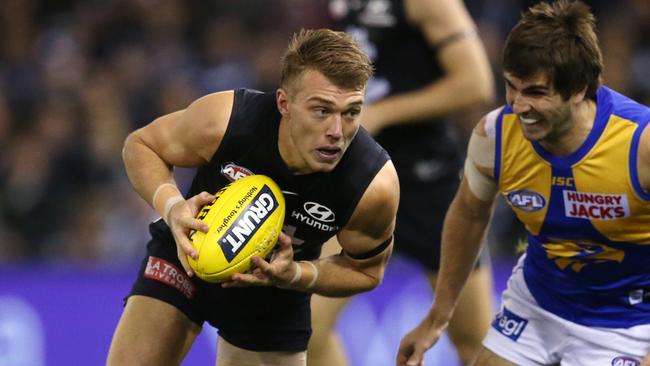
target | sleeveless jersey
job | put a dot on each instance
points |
(318, 205)
(587, 217)
(425, 153)
(403, 61)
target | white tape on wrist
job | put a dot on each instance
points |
(315, 278)
(158, 190)
(296, 276)
(171, 201)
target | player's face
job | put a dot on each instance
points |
(320, 120)
(543, 115)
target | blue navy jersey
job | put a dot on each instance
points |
(426, 153)
(404, 61)
(318, 205)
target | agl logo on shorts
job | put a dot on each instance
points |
(526, 200)
(509, 324)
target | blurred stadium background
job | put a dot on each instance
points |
(76, 76)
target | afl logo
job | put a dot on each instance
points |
(319, 212)
(525, 200)
(233, 172)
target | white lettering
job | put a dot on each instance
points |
(313, 223)
(595, 206)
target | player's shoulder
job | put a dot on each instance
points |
(487, 125)
(382, 194)
(211, 110)
(386, 181)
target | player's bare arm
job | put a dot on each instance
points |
(370, 229)
(183, 138)
(464, 227)
(467, 79)
(366, 240)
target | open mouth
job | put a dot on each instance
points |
(528, 120)
(329, 153)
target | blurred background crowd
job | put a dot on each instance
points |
(76, 76)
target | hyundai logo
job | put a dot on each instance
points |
(319, 212)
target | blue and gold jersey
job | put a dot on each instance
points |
(587, 217)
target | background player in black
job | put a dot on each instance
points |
(307, 138)
(429, 63)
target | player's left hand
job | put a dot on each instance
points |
(279, 271)
(413, 345)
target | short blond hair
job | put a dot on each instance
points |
(334, 54)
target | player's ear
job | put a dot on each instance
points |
(579, 96)
(282, 100)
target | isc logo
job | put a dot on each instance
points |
(509, 324)
(625, 361)
(526, 200)
(562, 181)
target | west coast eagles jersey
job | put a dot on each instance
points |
(587, 217)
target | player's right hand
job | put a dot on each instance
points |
(278, 271)
(417, 341)
(182, 220)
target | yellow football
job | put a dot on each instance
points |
(244, 219)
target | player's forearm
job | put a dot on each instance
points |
(450, 94)
(338, 277)
(147, 171)
(461, 245)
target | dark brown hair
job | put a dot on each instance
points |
(559, 40)
(334, 54)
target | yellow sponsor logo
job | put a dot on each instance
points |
(562, 181)
(577, 255)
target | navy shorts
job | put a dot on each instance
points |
(254, 318)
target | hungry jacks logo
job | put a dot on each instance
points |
(595, 206)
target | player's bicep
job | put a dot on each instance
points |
(191, 136)
(368, 234)
(480, 162)
(448, 28)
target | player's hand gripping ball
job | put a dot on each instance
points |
(245, 219)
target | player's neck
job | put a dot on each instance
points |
(582, 117)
